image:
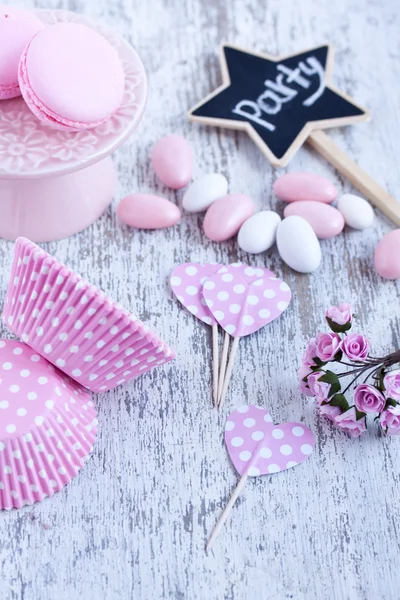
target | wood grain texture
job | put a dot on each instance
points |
(134, 523)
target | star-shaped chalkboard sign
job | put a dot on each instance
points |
(278, 101)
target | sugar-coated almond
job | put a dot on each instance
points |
(258, 233)
(146, 211)
(294, 187)
(202, 193)
(325, 220)
(226, 215)
(387, 255)
(298, 245)
(172, 160)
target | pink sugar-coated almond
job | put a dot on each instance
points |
(387, 255)
(295, 187)
(326, 220)
(146, 211)
(172, 160)
(226, 215)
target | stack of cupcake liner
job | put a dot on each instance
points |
(74, 325)
(73, 337)
(47, 426)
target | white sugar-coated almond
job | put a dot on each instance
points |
(258, 233)
(356, 211)
(204, 191)
(298, 245)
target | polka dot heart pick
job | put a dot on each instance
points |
(187, 284)
(243, 299)
(258, 447)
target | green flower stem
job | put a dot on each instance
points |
(392, 359)
(389, 359)
(356, 362)
(361, 371)
(372, 374)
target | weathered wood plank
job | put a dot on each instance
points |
(135, 522)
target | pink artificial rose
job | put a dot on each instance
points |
(356, 346)
(392, 385)
(327, 345)
(310, 354)
(303, 385)
(348, 422)
(341, 315)
(390, 420)
(329, 411)
(319, 389)
(369, 399)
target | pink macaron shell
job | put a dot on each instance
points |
(72, 76)
(74, 325)
(17, 28)
(47, 426)
(40, 110)
(9, 91)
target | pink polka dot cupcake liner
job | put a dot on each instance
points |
(47, 426)
(74, 325)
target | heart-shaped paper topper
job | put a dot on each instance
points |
(243, 299)
(187, 284)
(258, 447)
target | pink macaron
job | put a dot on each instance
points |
(17, 28)
(71, 77)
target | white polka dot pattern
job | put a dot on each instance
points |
(47, 426)
(258, 447)
(243, 299)
(66, 319)
(187, 282)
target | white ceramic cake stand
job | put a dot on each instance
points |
(55, 183)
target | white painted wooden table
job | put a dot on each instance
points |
(134, 523)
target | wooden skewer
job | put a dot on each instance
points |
(224, 359)
(228, 508)
(229, 370)
(215, 359)
(361, 180)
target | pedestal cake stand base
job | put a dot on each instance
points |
(48, 209)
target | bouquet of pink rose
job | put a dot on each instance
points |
(381, 396)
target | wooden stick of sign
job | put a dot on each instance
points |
(294, 102)
(359, 178)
